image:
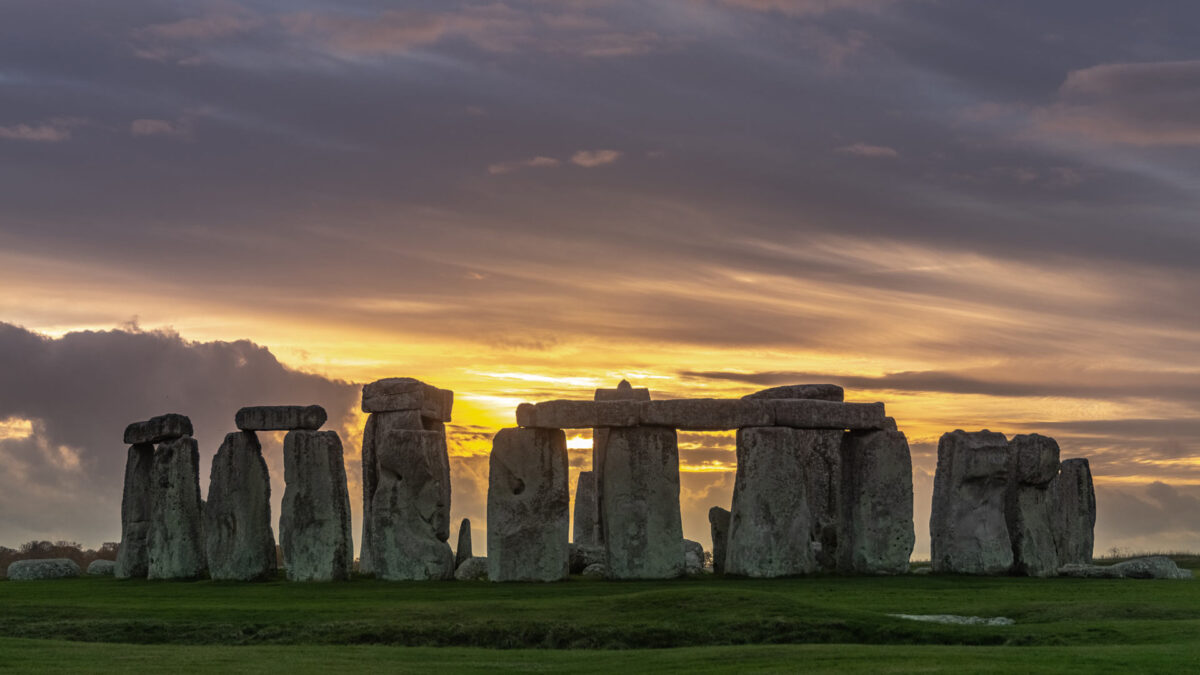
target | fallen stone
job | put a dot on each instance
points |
(405, 393)
(968, 530)
(820, 392)
(45, 568)
(1032, 465)
(133, 556)
(158, 429)
(463, 551)
(693, 557)
(706, 414)
(811, 414)
(378, 424)
(239, 541)
(176, 538)
(1073, 512)
(623, 392)
(1154, 567)
(596, 570)
(582, 556)
(528, 506)
(640, 509)
(472, 569)
(876, 533)
(410, 512)
(314, 523)
(584, 525)
(101, 568)
(718, 521)
(771, 524)
(954, 619)
(280, 418)
(578, 414)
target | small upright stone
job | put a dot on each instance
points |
(1073, 509)
(463, 551)
(176, 539)
(693, 557)
(314, 526)
(819, 392)
(410, 512)
(584, 528)
(967, 527)
(640, 504)
(1032, 464)
(158, 429)
(240, 543)
(623, 392)
(133, 557)
(718, 520)
(280, 418)
(528, 507)
(875, 531)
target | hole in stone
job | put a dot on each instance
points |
(518, 487)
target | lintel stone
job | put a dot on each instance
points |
(159, 429)
(280, 417)
(406, 393)
(703, 414)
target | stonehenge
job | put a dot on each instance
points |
(463, 551)
(133, 557)
(622, 392)
(718, 520)
(875, 527)
(1033, 463)
(643, 527)
(175, 543)
(528, 506)
(1073, 509)
(280, 418)
(45, 568)
(410, 510)
(240, 544)
(968, 529)
(314, 526)
(583, 531)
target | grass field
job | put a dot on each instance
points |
(585, 625)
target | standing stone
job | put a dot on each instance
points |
(772, 525)
(410, 513)
(377, 425)
(133, 557)
(1032, 464)
(314, 526)
(623, 392)
(1073, 509)
(240, 543)
(967, 527)
(640, 504)
(693, 557)
(176, 539)
(528, 507)
(463, 551)
(718, 520)
(876, 526)
(584, 528)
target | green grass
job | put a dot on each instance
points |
(586, 625)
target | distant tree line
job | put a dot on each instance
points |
(56, 549)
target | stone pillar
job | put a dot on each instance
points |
(586, 510)
(528, 508)
(718, 521)
(410, 511)
(1073, 509)
(133, 558)
(462, 552)
(314, 526)
(176, 539)
(623, 392)
(968, 530)
(240, 543)
(781, 477)
(639, 493)
(1032, 465)
(876, 526)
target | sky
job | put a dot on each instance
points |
(983, 214)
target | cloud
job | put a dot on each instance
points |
(593, 158)
(538, 162)
(807, 8)
(1140, 104)
(64, 468)
(867, 150)
(54, 130)
(151, 127)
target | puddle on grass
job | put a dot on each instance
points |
(958, 620)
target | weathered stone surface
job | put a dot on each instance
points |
(239, 541)
(410, 512)
(623, 392)
(889, 424)
(314, 525)
(405, 393)
(718, 521)
(583, 556)
(596, 570)
(693, 557)
(967, 528)
(706, 414)
(640, 493)
(1032, 465)
(782, 474)
(584, 525)
(463, 551)
(1073, 512)
(45, 568)
(820, 392)
(875, 531)
(823, 475)
(1154, 567)
(577, 414)
(472, 569)
(812, 414)
(176, 538)
(101, 568)
(528, 506)
(133, 557)
(158, 429)
(378, 424)
(280, 417)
